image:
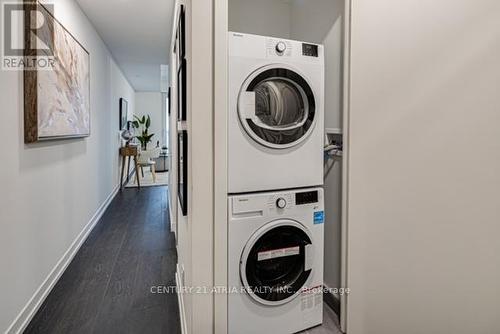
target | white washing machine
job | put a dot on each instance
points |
(275, 261)
(276, 114)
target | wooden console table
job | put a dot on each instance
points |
(129, 152)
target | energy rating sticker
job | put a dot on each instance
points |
(275, 253)
(319, 217)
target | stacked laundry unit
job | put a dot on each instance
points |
(275, 175)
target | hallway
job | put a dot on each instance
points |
(107, 287)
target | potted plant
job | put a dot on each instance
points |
(143, 123)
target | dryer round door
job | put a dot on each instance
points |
(276, 263)
(277, 107)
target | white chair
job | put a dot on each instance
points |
(146, 159)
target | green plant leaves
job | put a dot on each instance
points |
(145, 122)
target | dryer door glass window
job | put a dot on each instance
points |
(276, 266)
(277, 108)
(279, 104)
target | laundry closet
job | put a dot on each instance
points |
(421, 216)
(282, 166)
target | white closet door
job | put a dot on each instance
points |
(424, 167)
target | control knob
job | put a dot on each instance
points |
(281, 203)
(280, 47)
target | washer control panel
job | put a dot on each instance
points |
(306, 197)
(279, 203)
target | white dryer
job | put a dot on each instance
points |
(275, 261)
(276, 114)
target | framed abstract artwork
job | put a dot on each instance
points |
(56, 99)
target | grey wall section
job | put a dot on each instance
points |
(260, 17)
(424, 195)
(50, 191)
(321, 21)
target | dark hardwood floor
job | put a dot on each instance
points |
(107, 286)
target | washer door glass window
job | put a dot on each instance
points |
(276, 263)
(277, 107)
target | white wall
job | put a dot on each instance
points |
(195, 232)
(50, 191)
(164, 119)
(172, 131)
(120, 88)
(327, 29)
(152, 104)
(424, 161)
(260, 17)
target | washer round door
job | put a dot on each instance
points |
(276, 107)
(276, 263)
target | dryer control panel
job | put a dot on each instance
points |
(310, 50)
(277, 47)
(261, 47)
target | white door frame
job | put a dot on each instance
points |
(344, 270)
(220, 163)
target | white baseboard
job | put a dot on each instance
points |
(173, 222)
(180, 299)
(30, 309)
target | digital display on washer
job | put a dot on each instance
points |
(307, 197)
(310, 50)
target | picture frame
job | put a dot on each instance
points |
(182, 91)
(169, 98)
(182, 170)
(123, 113)
(56, 100)
(181, 35)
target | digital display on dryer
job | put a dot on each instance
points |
(307, 197)
(310, 50)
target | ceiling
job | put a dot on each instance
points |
(137, 32)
